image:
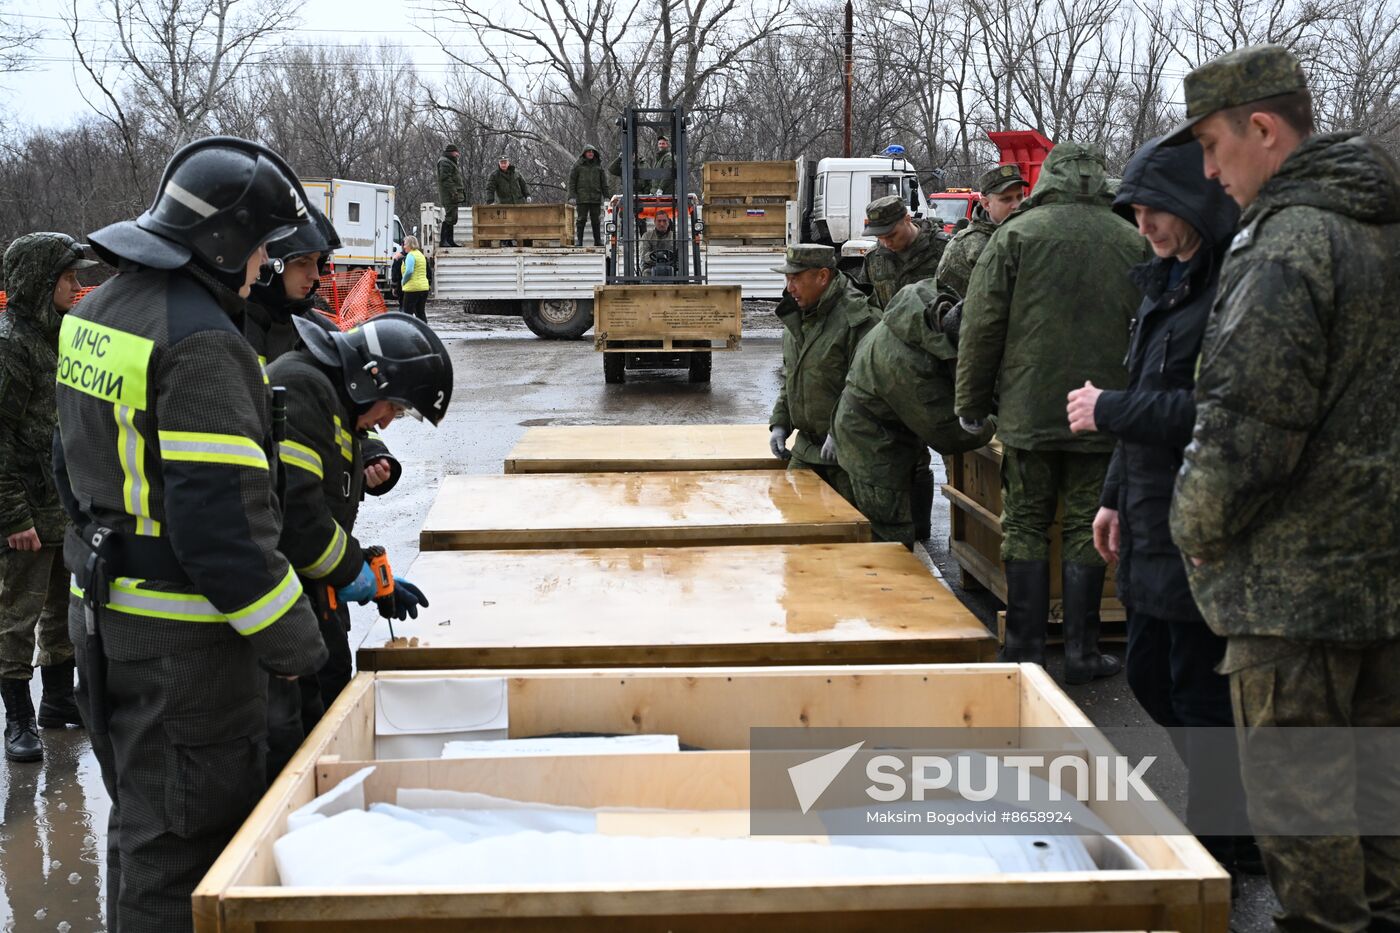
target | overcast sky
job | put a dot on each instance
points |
(49, 94)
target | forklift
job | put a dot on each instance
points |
(632, 261)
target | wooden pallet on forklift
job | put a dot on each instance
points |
(973, 491)
(683, 317)
(536, 223)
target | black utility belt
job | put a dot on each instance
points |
(129, 555)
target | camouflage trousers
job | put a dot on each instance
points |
(1033, 484)
(835, 477)
(33, 602)
(890, 511)
(1324, 883)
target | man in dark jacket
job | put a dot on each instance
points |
(1288, 502)
(506, 185)
(451, 192)
(588, 186)
(41, 281)
(898, 402)
(1049, 305)
(1188, 220)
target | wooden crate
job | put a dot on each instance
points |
(629, 318)
(526, 224)
(746, 221)
(973, 491)
(632, 448)
(547, 510)
(742, 181)
(1182, 888)
(765, 604)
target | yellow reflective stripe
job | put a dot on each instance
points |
(347, 440)
(103, 362)
(262, 367)
(199, 447)
(136, 488)
(330, 558)
(128, 596)
(299, 455)
(273, 606)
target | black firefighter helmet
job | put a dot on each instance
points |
(319, 236)
(392, 357)
(219, 200)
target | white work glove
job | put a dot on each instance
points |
(777, 441)
(972, 425)
(829, 448)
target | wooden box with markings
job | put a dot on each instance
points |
(524, 224)
(667, 317)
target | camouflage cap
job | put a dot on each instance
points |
(803, 256)
(999, 179)
(884, 214)
(1255, 72)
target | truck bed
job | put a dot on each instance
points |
(553, 272)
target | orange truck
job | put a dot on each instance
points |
(1025, 149)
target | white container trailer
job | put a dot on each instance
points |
(363, 215)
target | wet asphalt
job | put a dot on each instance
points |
(52, 837)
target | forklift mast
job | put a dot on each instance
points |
(625, 260)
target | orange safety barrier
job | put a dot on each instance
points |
(353, 297)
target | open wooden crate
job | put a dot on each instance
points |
(526, 224)
(1181, 889)
(632, 318)
(872, 603)
(973, 491)
(635, 448)
(543, 510)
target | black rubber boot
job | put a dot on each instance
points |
(58, 709)
(921, 501)
(445, 239)
(1082, 592)
(1027, 610)
(21, 735)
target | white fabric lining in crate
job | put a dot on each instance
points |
(417, 717)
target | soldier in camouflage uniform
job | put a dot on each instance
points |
(1002, 191)
(1288, 503)
(898, 402)
(909, 252)
(505, 185)
(41, 285)
(909, 249)
(824, 316)
(1048, 307)
(451, 192)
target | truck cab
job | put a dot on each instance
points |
(951, 206)
(838, 191)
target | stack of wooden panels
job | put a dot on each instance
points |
(524, 224)
(1180, 888)
(637, 448)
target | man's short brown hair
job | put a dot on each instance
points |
(1295, 110)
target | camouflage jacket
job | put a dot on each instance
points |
(955, 268)
(1049, 306)
(1290, 490)
(664, 160)
(817, 350)
(506, 187)
(899, 395)
(588, 183)
(449, 181)
(28, 411)
(889, 271)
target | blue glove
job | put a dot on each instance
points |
(361, 589)
(403, 603)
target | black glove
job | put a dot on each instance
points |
(403, 602)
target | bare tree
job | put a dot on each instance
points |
(16, 42)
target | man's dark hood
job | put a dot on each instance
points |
(1339, 172)
(1172, 179)
(583, 158)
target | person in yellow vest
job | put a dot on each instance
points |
(415, 280)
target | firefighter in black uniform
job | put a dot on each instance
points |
(337, 388)
(166, 463)
(286, 291)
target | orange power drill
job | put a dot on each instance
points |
(378, 560)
